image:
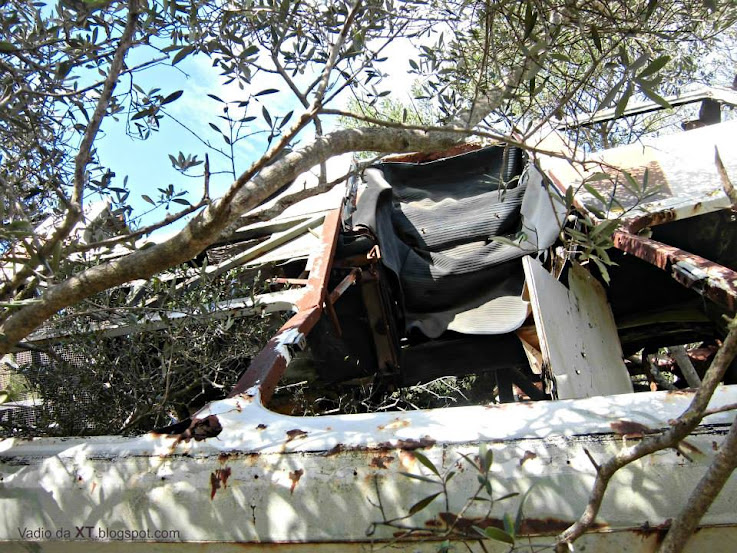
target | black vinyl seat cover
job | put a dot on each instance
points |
(434, 223)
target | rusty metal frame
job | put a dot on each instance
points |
(267, 368)
(711, 280)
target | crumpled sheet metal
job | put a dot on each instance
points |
(683, 175)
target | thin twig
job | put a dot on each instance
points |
(169, 219)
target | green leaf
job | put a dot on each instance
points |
(656, 65)
(181, 201)
(569, 197)
(267, 91)
(141, 114)
(286, 119)
(606, 228)
(486, 483)
(632, 185)
(413, 65)
(521, 511)
(419, 477)
(214, 127)
(596, 38)
(596, 210)
(422, 503)
(505, 241)
(530, 20)
(3, 396)
(426, 462)
(576, 234)
(595, 193)
(560, 57)
(654, 96)
(486, 457)
(639, 62)
(266, 115)
(216, 98)
(494, 533)
(602, 269)
(148, 199)
(183, 53)
(507, 496)
(6, 46)
(509, 524)
(623, 101)
(172, 97)
(598, 176)
(470, 461)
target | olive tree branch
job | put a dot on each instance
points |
(84, 155)
(703, 495)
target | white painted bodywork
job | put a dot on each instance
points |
(682, 169)
(293, 480)
(578, 335)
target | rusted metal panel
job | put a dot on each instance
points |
(270, 364)
(267, 368)
(322, 259)
(383, 328)
(277, 481)
(714, 281)
(350, 279)
(577, 333)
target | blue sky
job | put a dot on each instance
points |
(146, 163)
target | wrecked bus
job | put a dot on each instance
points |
(485, 260)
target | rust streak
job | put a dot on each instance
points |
(659, 531)
(381, 461)
(528, 527)
(714, 281)
(218, 479)
(343, 285)
(337, 448)
(526, 457)
(631, 429)
(411, 445)
(295, 434)
(294, 477)
(650, 220)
